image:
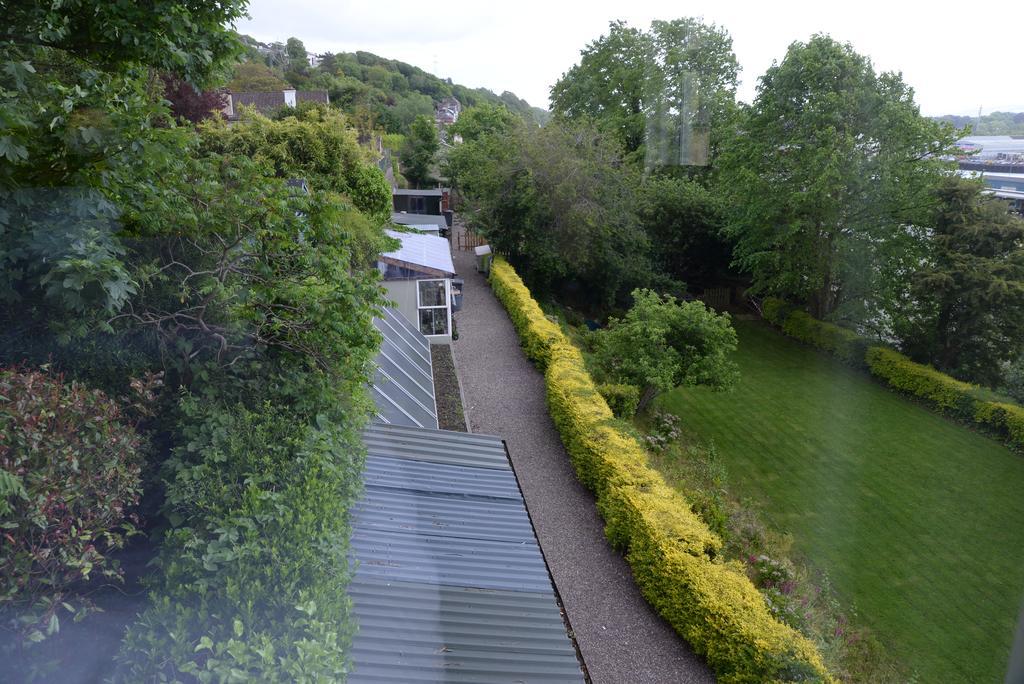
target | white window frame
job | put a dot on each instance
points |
(447, 306)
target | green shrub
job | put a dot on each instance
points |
(775, 310)
(253, 572)
(924, 382)
(675, 558)
(622, 399)
(838, 341)
(1005, 419)
(69, 477)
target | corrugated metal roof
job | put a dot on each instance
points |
(451, 585)
(411, 192)
(419, 249)
(403, 386)
(419, 221)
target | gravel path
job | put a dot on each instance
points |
(621, 638)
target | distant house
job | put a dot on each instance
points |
(417, 277)
(269, 102)
(434, 201)
(447, 111)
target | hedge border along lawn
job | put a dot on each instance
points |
(675, 558)
(938, 390)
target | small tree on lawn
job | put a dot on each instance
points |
(664, 343)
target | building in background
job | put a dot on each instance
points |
(418, 279)
(267, 103)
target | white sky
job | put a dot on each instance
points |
(955, 60)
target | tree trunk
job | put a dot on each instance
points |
(646, 397)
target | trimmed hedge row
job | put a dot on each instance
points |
(675, 557)
(947, 394)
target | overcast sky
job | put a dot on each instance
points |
(956, 62)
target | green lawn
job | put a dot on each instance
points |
(919, 522)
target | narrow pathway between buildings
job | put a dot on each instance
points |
(621, 638)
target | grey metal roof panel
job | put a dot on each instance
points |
(424, 192)
(413, 476)
(436, 446)
(450, 583)
(451, 561)
(403, 385)
(415, 513)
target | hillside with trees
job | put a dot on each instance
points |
(996, 123)
(376, 92)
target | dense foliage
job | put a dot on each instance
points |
(377, 93)
(132, 244)
(966, 311)
(661, 93)
(70, 465)
(312, 143)
(827, 174)
(419, 151)
(661, 343)
(559, 203)
(253, 572)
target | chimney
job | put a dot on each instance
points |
(289, 97)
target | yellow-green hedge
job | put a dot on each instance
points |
(536, 332)
(924, 382)
(941, 391)
(675, 558)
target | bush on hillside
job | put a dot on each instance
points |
(69, 477)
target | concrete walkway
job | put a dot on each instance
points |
(621, 638)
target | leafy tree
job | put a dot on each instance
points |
(191, 104)
(314, 143)
(683, 221)
(558, 202)
(967, 315)
(421, 145)
(654, 90)
(827, 173)
(662, 343)
(255, 77)
(296, 51)
(184, 37)
(484, 119)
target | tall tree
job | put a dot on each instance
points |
(420, 150)
(967, 311)
(661, 92)
(559, 202)
(826, 171)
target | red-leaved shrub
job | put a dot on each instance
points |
(69, 477)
